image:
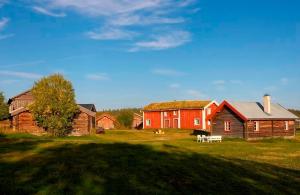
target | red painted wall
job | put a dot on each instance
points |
(155, 120)
(188, 117)
(168, 119)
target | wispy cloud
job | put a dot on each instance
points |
(166, 41)
(22, 64)
(174, 86)
(219, 82)
(9, 81)
(168, 72)
(2, 2)
(3, 24)
(98, 77)
(284, 81)
(109, 33)
(48, 12)
(108, 7)
(25, 75)
(129, 20)
(147, 15)
(195, 93)
(238, 82)
(6, 36)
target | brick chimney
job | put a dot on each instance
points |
(267, 103)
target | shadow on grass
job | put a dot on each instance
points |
(139, 169)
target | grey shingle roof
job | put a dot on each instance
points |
(255, 110)
(90, 107)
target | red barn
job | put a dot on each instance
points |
(178, 115)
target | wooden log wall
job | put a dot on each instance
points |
(237, 125)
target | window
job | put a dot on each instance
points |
(208, 111)
(256, 126)
(209, 123)
(286, 125)
(227, 125)
(165, 114)
(196, 121)
(174, 113)
(148, 122)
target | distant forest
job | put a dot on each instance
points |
(296, 112)
(116, 112)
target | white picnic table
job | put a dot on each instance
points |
(212, 138)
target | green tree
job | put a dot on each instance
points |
(125, 118)
(54, 107)
(4, 112)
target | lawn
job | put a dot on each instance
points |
(140, 162)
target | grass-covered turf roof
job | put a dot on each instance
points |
(177, 105)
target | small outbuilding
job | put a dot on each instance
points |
(252, 120)
(106, 121)
(137, 122)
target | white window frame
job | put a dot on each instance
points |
(165, 114)
(286, 125)
(227, 126)
(148, 122)
(175, 113)
(256, 126)
(208, 123)
(197, 123)
(208, 111)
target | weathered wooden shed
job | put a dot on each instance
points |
(137, 122)
(106, 121)
(252, 120)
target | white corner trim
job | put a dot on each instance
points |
(203, 119)
(179, 119)
(212, 102)
(144, 120)
(162, 119)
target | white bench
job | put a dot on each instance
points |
(213, 138)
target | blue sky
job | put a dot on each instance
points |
(121, 53)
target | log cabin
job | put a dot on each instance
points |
(252, 120)
(23, 121)
(106, 121)
(178, 115)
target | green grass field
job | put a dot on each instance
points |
(140, 162)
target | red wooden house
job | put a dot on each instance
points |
(178, 115)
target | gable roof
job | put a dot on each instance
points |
(20, 94)
(90, 107)
(228, 105)
(255, 110)
(138, 115)
(188, 104)
(87, 111)
(107, 116)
